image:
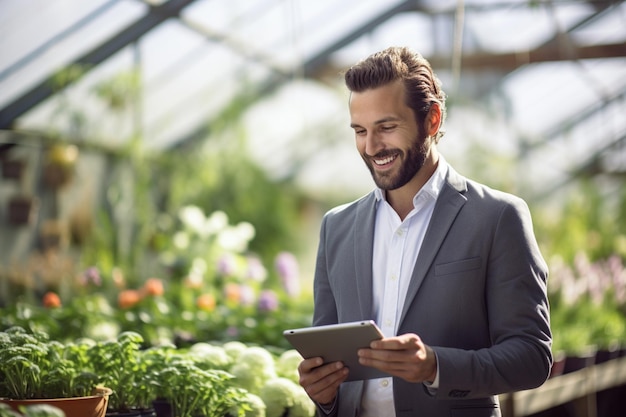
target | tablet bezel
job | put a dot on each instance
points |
(338, 342)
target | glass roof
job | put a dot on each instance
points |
(536, 78)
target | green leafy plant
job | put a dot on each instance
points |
(118, 365)
(194, 391)
(587, 302)
(34, 367)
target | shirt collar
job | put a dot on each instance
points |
(432, 187)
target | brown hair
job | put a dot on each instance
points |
(422, 86)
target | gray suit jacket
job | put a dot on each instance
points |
(477, 296)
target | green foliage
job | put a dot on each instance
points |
(224, 178)
(588, 303)
(201, 380)
(34, 367)
(118, 365)
(590, 220)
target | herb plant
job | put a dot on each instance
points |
(34, 367)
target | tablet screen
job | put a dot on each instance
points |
(338, 342)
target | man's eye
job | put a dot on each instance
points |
(359, 132)
(388, 128)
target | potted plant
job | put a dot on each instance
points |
(35, 370)
(59, 166)
(119, 365)
(21, 209)
(185, 387)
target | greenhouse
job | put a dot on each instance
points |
(170, 171)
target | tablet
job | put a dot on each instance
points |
(338, 342)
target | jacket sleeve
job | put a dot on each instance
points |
(520, 356)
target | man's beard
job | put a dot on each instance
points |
(412, 162)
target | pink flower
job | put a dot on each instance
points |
(256, 270)
(246, 295)
(232, 331)
(287, 267)
(91, 276)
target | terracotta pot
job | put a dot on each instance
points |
(92, 406)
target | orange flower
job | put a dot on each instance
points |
(206, 302)
(153, 286)
(51, 300)
(128, 298)
(232, 292)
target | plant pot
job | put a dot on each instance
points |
(59, 167)
(608, 353)
(13, 169)
(144, 412)
(91, 406)
(581, 360)
(20, 210)
(162, 408)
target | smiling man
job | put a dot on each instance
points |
(448, 268)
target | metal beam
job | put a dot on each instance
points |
(527, 146)
(314, 65)
(45, 89)
(310, 68)
(549, 53)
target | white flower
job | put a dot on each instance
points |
(193, 217)
(215, 223)
(181, 240)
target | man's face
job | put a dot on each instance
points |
(387, 135)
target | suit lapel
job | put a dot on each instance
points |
(446, 209)
(364, 253)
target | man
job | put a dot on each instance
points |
(448, 268)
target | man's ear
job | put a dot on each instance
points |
(433, 119)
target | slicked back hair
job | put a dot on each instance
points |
(422, 86)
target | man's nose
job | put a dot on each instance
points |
(373, 144)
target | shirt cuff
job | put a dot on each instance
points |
(328, 408)
(433, 386)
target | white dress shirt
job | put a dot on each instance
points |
(396, 245)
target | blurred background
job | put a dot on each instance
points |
(155, 139)
(165, 164)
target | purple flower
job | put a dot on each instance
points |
(246, 295)
(268, 301)
(287, 267)
(91, 276)
(227, 265)
(232, 331)
(256, 271)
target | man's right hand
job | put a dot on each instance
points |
(321, 381)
